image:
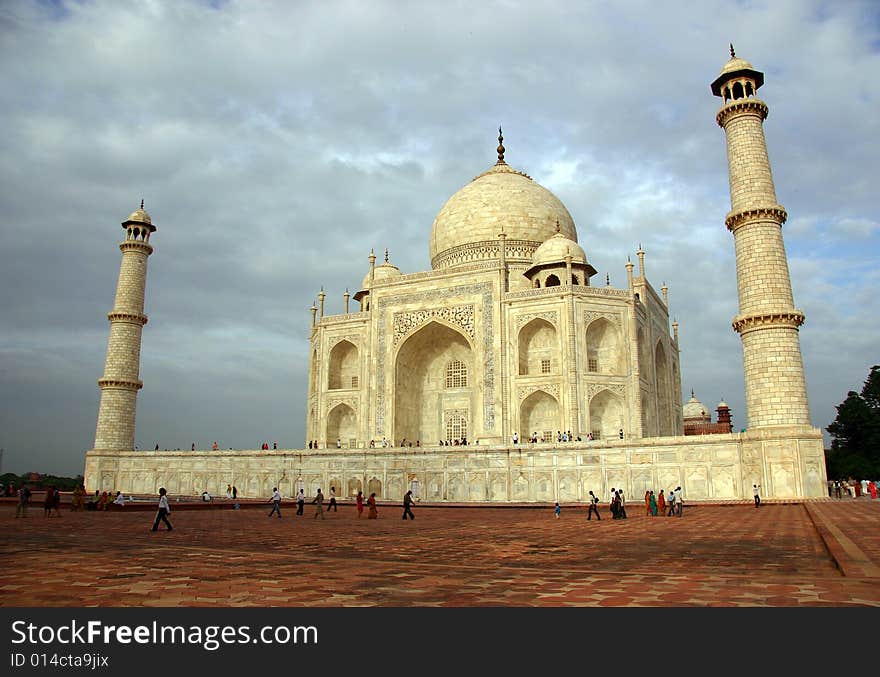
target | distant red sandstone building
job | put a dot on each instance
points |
(698, 420)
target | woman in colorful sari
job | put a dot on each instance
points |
(360, 504)
(661, 503)
(371, 502)
(653, 504)
(648, 502)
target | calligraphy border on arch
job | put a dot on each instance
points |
(551, 316)
(406, 322)
(549, 388)
(485, 290)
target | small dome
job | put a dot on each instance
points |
(140, 216)
(722, 405)
(694, 409)
(385, 271)
(555, 249)
(736, 64)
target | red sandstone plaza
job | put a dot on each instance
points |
(815, 553)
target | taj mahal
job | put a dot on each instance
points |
(510, 372)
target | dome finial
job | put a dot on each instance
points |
(500, 148)
(386, 254)
(607, 280)
(692, 393)
(732, 53)
(142, 203)
(558, 229)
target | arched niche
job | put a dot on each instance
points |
(604, 348)
(343, 372)
(341, 425)
(538, 348)
(428, 383)
(539, 412)
(606, 414)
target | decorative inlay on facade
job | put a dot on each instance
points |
(350, 401)
(551, 316)
(746, 323)
(589, 316)
(521, 250)
(485, 290)
(577, 290)
(596, 388)
(120, 383)
(344, 317)
(549, 388)
(754, 106)
(332, 341)
(736, 219)
(408, 321)
(131, 318)
(134, 245)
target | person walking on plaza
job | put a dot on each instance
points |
(407, 505)
(557, 510)
(332, 503)
(162, 512)
(671, 503)
(319, 504)
(648, 502)
(755, 489)
(371, 502)
(594, 507)
(300, 501)
(679, 501)
(49, 502)
(24, 497)
(653, 505)
(276, 502)
(360, 504)
(661, 503)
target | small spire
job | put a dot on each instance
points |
(346, 290)
(732, 53)
(386, 254)
(142, 203)
(557, 225)
(607, 280)
(500, 147)
(692, 393)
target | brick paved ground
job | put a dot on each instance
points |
(820, 553)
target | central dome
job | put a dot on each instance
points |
(501, 199)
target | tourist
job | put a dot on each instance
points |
(679, 501)
(193, 447)
(755, 488)
(206, 497)
(77, 502)
(274, 445)
(371, 502)
(661, 503)
(338, 443)
(648, 502)
(276, 502)
(360, 504)
(300, 501)
(594, 507)
(557, 510)
(332, 503)
(384, 443)
(515, 438)
(872, 489)
(49, 502)
(228, 491)
(319, 504)
(24, 497)
(653, 503)
(615, 506)
(621, 509)
(162, 512)
(56, 501)
(234, 492)
(119, 500)
(407, 505)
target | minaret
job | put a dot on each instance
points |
(776, 392)
(120, 384)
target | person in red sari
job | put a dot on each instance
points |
(374, 513)
(648, 502)
(661, 503)
(360, 504)
(872, 489)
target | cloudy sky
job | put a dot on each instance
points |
(275, 143)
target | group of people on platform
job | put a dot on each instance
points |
(853, 488)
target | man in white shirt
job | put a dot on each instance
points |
(756, 488)
(276, 501)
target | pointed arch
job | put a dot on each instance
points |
(540, 413)
(663, 391)
(606, 414)
(344, 367)
(604, 348)
(538, 348)
(422, 401)
(551, 281)
(341, 425)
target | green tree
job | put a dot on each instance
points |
(855, 433)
